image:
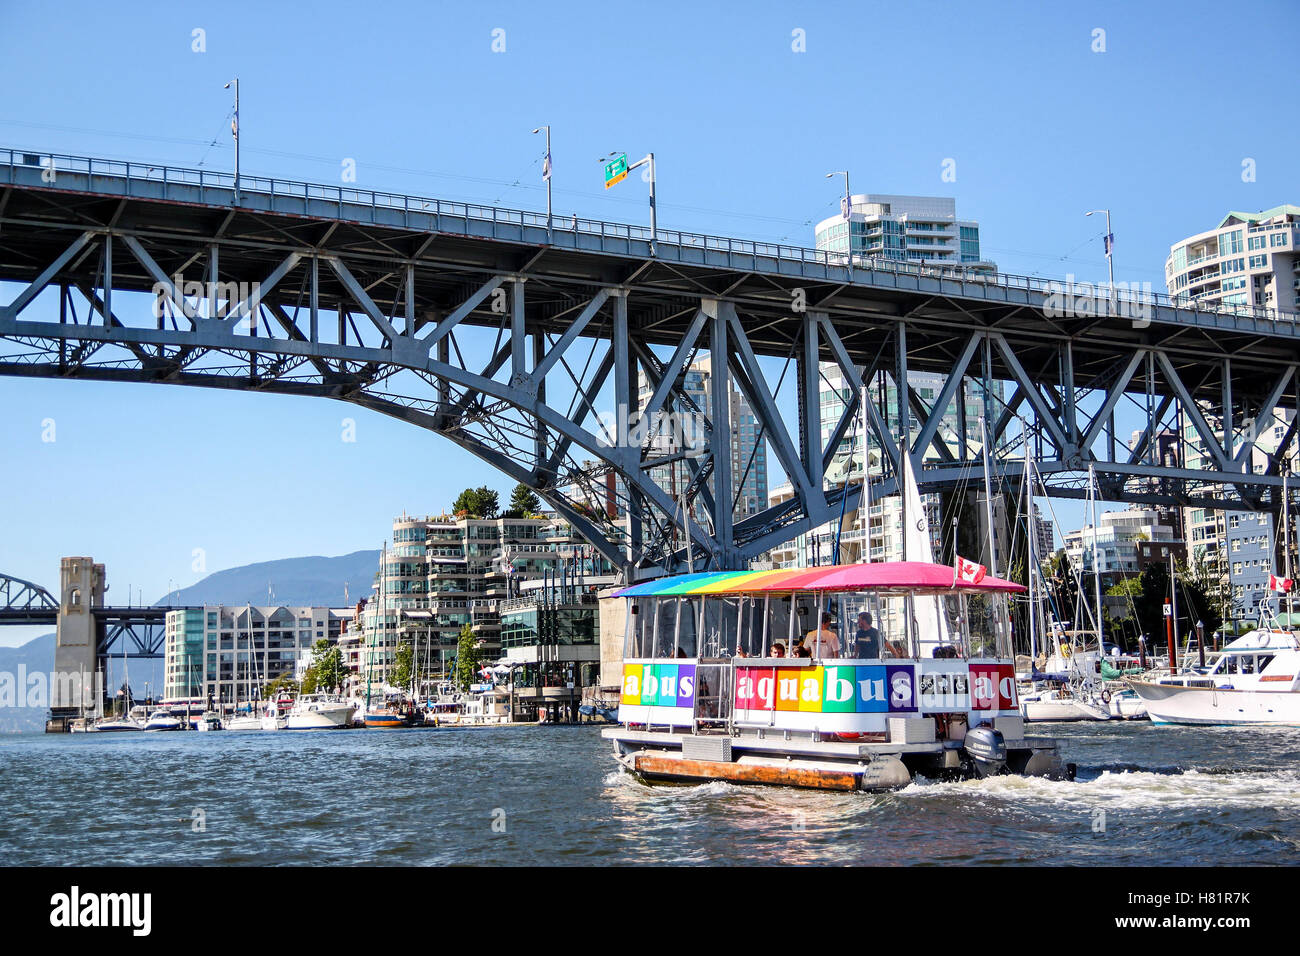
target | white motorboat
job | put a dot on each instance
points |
(211, 720)
(1256, 680)
(243, 722)
(82, 725)
(319, 712)
(162, 720)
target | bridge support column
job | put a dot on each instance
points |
(81, 591)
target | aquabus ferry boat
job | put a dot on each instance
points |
(849, 677)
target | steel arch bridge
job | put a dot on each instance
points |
(558, 353)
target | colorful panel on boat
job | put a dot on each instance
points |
(665, 695)
(993, 687)
(900, 681)
(685, 686)
(787, 688)
(811, 688)
(658, 685)
(945, 687)
(839, 690)
(632, 683)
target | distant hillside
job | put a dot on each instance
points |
(38, 656)
(314, 581)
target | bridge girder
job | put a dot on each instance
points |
(518, 350)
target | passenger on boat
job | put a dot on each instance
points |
(867, 639)
(802, 651)
(778, 649)
(823, 642)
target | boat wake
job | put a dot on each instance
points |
(1130, 788)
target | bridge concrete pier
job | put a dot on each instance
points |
(77, 640)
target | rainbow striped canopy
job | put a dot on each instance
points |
(883, 576)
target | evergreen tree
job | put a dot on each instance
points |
(466, 658)
(524, 502)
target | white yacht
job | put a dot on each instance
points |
(162, 719)
(319, 712)
(246, 720)
(1256, 680)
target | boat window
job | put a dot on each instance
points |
(1248, 664)
(721, 619)
(749, 643)
(1264, 661)
(778, 625)
(665, 628)
(687, 617)
(1229, 665)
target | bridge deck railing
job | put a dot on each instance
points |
(348, 203)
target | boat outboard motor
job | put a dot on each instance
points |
(987, 750)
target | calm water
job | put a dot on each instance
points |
(1190, 796)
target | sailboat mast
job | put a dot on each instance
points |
(1096, 555)
(1286, 537)
(1033, 554)
(988, 499)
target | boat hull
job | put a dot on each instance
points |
(1174, 704)
(670, 757)
(381, 721)
(1065, 709)
(116, 726)
(323, 718)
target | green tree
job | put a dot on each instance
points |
(327, 666)
(524, 502)
(466, 658)
(480, 502)
(403, 660)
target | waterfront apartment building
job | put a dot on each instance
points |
(1116, 539)
(227, 654)
(443, 572)
(914, 229)
(1249, 259)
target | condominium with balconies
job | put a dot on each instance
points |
(914, 229)
(1249, 259)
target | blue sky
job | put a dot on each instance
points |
(1041, 129)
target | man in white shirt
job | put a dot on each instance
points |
(823, 642)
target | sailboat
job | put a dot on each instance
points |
(250, 720)
(131, 718)
(1069, 686)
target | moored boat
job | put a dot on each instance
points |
(1256, 680)
(162, 719)
(319, 712)
(710, 693)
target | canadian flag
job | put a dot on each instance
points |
(969, 571)
(1281, 585)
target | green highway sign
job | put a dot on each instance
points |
(616, 171)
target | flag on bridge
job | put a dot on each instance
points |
(968, 571)
(1109, 240)
(546, 166)
(1281, 585)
